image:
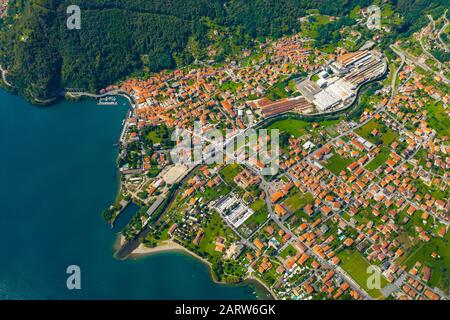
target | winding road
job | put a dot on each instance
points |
(428, 53)
(416, 61)
(444, 27)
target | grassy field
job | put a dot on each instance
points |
(216, 192)
(230, 171)
(438, 119)
(294, 127)
(354, 14)
(440, 267)
(277, 91)
(387, 136)
(432, 189)
(392, 67)
(336, 163)
(260, 215)
(215, 228)
(288, 251)
(297, 128)
(270, 276)
(292, 85)
(328, 123)
(310, 28)
(378, 160)
(356, 266)
(153, 137)
(230, 85)
(298, 200)
(387, 13)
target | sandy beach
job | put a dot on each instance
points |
(165, 246)
(170, 246)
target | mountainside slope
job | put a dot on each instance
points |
(120, 37)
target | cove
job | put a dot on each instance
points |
(58, 171)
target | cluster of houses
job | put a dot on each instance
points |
(222, 95)
(370, 208)
(365, 192)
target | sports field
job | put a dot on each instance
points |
(356, 266)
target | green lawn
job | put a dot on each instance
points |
(288, 251)
(230, 85)
(292, 85)
(258, 205)
(329, 123)
(298, 200)
(277, 91)
(392, 67)
(432, 189)
(378, 160)
(294, 127)
(216, 192)
(365, 130)
(215, 228)
(387, 14)
(356, 266)
(440, 267)
(260, 215)
(438, 119)
(310, 28)
(387, 136)
(230, 171)
(153, 136)
(297, 127)
(354, 14)
(336, 164)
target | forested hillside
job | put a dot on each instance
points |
(119, 37)
(44, 56)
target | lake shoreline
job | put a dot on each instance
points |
(170, 246)
(74, 141)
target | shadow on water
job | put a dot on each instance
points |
(124, 217)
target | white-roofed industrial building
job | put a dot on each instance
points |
(342, 89)
(322, 82)
(324, 101)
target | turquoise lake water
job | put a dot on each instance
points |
(57, 170)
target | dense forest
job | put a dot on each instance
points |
(120, 37)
